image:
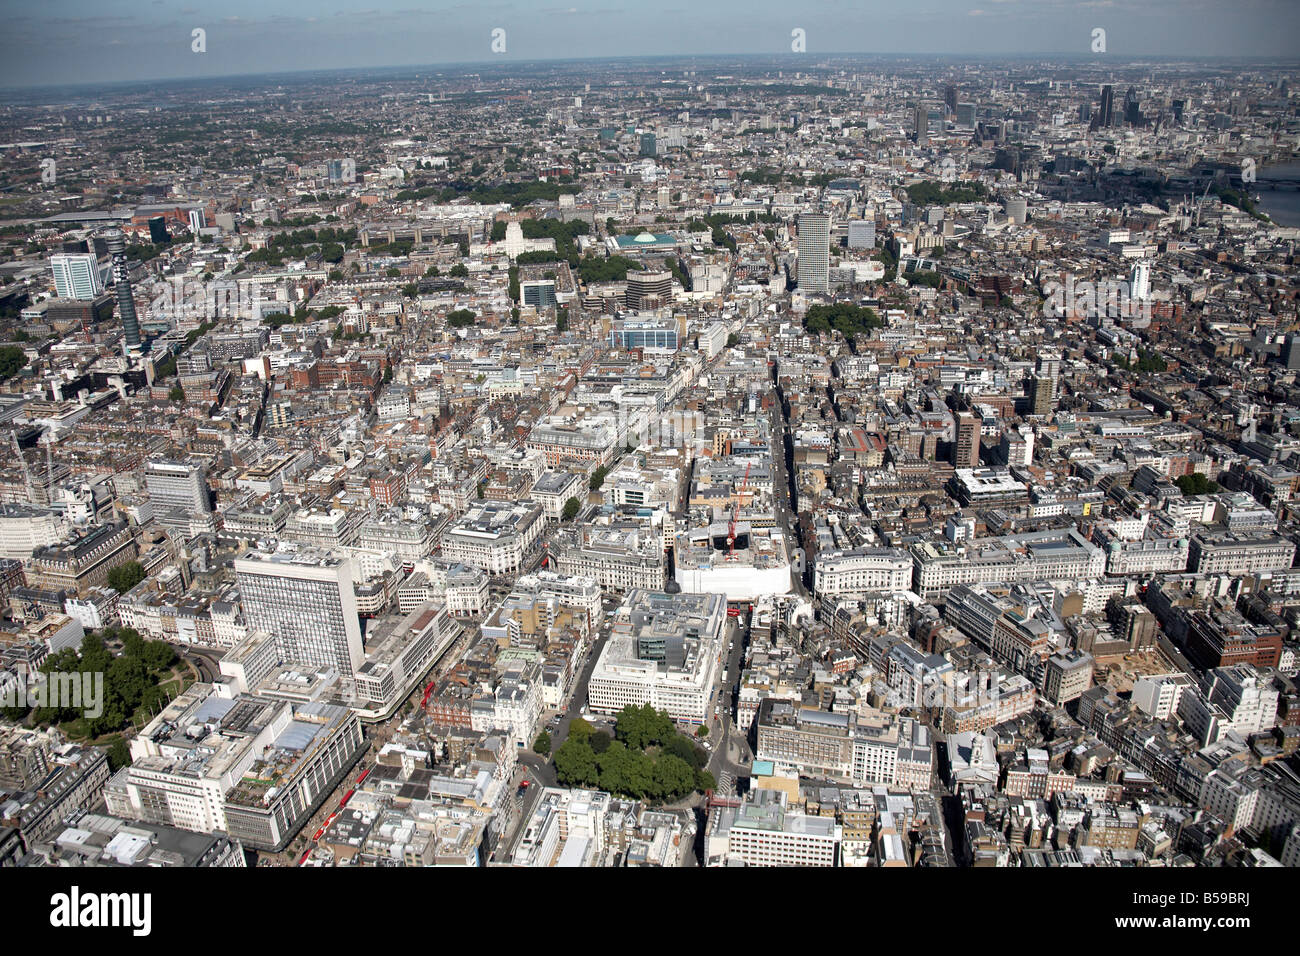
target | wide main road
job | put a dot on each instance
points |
(783, 490)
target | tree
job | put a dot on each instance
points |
(460, 318)
(843, 317)
(625, 771)
(600, 742)
(598, 478)
(639, 727)
(571, 508)
(701, 731)
(934, 194)
(682, 748)
(611, 269)
(580, 729)
(459, 271)
(575, 764)
(1196, 484)
(673, 777)
(125, 576)
(542, 745)
(119, 754)
(733, 340)
(129, 678)
(562, 320)
(157, 655)
(132, 643)
(12, 359)
(177, 394)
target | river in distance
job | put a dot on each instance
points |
(1282, 205)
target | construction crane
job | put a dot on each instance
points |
(735, 512)
(1201, 203)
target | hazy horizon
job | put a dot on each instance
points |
(76, 42)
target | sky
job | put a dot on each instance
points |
(48, 42)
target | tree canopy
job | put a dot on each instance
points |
(12, 359)
(1196, 484)
(843, 317)
(611, 269)
(648, 760)
(934, 194)
(126, 576)
(130, 681)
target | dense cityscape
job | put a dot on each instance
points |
(670, 462)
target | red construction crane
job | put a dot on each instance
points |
(731, 528)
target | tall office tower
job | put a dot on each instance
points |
(1139, 287)
(1132, 113)
(1041, 400)
(1049, 368)
(1106, 111)
(950, 98)
(198, 220)
(648, 145)
(177, 486)
(815, 252)
(648, 289)
(116, 242)
(158, 230)
(965, 115)
(966, 450)
(76, 275)
(304, 599)
(862, 234)
(921, 123)
(1291, 352)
